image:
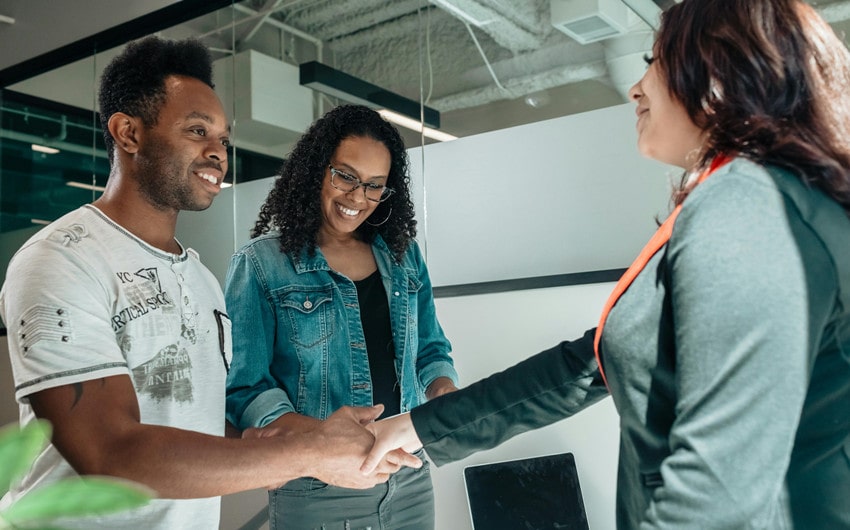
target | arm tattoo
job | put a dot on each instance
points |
(78, 393)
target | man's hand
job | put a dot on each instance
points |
(392, 435)
(349, 443)
(335, 448)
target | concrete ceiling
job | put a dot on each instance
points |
(478, 77)
(513, 67)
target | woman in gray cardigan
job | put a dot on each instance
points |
(726, 346)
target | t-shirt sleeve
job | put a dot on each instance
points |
(58, 318)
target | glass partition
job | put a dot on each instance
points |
(463, 67)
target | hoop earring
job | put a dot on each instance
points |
(387, 218)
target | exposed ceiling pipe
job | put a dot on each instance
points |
(262, 20)
(399, 28)
(63, 131)
(6, 20)
(333, 20)
(647, 10)
(509, 32)
(280, 25)
(522, 85)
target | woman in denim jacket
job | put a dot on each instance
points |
(332, 306)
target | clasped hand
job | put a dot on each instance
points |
(392, 435)
(349, 449)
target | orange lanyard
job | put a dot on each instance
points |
(658, 240)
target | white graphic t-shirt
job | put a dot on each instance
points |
(85, 299)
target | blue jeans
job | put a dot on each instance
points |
(404, 502)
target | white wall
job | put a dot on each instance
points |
(560, 196)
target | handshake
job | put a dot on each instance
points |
(349, 449)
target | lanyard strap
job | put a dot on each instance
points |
(658, 240)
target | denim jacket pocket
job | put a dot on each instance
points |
(413, 283)
(308, 311)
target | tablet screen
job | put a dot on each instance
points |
(529, 494)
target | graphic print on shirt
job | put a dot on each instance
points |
(168, 376)
(187, 326)
(147, 311)
(72, 233)
(150, 274)
(143, 293)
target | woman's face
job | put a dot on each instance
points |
(665, 131)
(361, 157)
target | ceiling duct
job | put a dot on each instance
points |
(269, 107)
(591, 20)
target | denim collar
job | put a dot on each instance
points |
(306, 263)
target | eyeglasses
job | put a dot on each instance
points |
(348, 183)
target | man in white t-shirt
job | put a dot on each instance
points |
(118, 335)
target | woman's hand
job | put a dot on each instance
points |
(392, 435)
(438, 387)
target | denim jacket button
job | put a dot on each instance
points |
(308, 304)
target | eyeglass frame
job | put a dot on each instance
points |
(386, 191)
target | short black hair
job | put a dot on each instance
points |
(294, 204)
(134, 81)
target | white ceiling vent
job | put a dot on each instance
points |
(269, 106)
(591, 20)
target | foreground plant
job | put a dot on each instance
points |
(67, 498)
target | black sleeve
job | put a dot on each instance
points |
(550, 386)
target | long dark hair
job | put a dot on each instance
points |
(294, 204)
(767, 80)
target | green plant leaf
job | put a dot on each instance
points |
(4, 526)
(18, 449)
(77, 497)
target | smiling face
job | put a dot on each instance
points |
(665, 131)
(182, 159)
(343, 212)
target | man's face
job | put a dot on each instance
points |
(182, 159)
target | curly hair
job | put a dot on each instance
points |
(134, 81)
(293, 207)
(767, 80)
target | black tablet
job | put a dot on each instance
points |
(529, 494)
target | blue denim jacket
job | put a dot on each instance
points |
(298, 343)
